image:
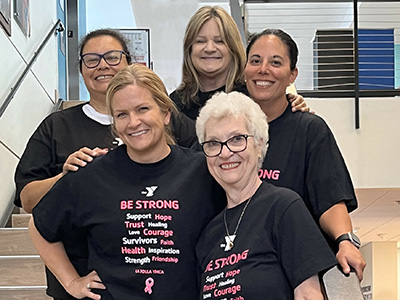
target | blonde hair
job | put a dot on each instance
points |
(191, 84)
(235, 104)
(140, 75)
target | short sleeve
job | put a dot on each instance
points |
(302, 249)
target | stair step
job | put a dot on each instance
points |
(22, 293)
(20, 220)
(22, 271)
(16, 241)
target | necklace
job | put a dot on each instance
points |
(230, 238)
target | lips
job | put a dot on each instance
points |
(211, 58)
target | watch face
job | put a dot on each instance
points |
(355, 238)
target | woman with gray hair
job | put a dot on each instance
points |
(265, 231)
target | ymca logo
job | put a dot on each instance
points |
(149, 192)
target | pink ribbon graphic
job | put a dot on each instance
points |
(149, 283)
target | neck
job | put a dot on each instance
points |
(274, 109)
(99, 103)
(235, 196)
(212, 83)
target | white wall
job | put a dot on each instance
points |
(35, 97)
(371, 152)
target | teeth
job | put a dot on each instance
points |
(103, 77)
(138, 133)
(263, 83)
(229, 166)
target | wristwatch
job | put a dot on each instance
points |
(351, 237)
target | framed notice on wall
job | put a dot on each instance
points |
(22, 17)
(139, 44)
(5, 15)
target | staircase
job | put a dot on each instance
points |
(22, 273)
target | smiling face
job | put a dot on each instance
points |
(210, 55)
(267, 71)
(232, 169)
(96, 79)
(139, 122)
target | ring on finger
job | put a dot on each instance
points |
(88, 286)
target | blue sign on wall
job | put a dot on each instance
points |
(376, 59)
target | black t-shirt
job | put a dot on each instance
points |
(277, 247)
(184, 126)
(192, 110)
(303, 156)
(59, 135)
(142, 220)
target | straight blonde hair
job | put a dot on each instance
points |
(230, 34)
(138, 74)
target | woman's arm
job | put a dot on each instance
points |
(56, 259)
(309, 289)
(35, 190)
(335, 222)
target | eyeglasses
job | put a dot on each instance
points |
(235, 144)
(112, 58)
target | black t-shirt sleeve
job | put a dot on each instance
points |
(55, 215)
(328, 181)
(302, 249)
(36, 162)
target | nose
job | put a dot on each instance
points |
(225, 152)
(210, 45)
(264, 68)
(134, 120)
(102, 64)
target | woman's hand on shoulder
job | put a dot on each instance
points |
(298, 103)
(81, 158)
(81, 287)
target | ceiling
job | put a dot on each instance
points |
(378, 215)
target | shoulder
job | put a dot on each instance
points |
(275, 201)
(66, 115)
(277, 195)
(176, 96)
(301, 123)
(188, 154)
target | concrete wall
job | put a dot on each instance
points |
(34, 99)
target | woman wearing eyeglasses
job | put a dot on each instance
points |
(264, 244)
(69, 139)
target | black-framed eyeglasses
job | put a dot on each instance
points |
(235, 144)
(112, 58)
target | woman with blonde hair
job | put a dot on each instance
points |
(213, 61)
(141, 206)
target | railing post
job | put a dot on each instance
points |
(58, 27)
(356, 67)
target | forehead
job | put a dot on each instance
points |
(270, 43)
(226, 126)
(101, 44)
(210, 27)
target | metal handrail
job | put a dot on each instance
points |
(58, 27)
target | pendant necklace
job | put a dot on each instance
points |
(230, 238)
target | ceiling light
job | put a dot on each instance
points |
(382, 235)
